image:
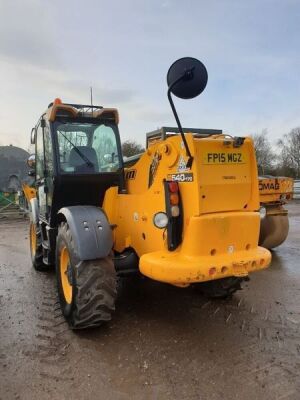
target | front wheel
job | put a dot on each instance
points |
(36, 248)
(220, 288)
(87, 289)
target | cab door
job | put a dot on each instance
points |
(44, 168)
(40, 170)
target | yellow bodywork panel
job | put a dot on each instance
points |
(211, 250)
(226, 176)
(29, 192)
(181, 270)
(220, 201)
(275, 189)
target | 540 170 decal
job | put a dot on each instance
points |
(181, 177)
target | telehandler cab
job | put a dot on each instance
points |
(185, 212)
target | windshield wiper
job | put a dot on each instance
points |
(83, 156)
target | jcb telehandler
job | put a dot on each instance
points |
(186, 212)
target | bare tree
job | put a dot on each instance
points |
(131, 148)
(290, 150)
(264, 153)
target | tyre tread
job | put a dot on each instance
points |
(94, 286)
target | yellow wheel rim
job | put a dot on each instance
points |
(64, 266)
(33, 239)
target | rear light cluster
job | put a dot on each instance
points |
(174, 198)
(174, 213)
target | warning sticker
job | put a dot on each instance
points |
(182, 165)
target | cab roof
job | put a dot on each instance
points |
(60, 109)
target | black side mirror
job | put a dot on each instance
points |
(32, 136)
(186, 78)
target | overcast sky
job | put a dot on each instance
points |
(123, 49)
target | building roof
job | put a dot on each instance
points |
(13, 152)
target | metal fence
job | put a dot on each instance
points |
(12, 205)
(297, 189)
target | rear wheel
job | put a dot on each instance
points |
(87, 289)
(36, 249)
(274, 230)
(220, 288)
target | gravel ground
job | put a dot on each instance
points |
(163, 342)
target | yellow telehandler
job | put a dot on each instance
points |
(274, 193)
(186, 212)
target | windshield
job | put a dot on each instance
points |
(87, 148)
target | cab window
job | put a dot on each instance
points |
(39, 153)
(86, 148)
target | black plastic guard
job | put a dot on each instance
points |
(90, 231)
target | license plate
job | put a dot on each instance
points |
(224, 158)
(239, 269)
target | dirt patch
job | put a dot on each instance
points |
(163, 342)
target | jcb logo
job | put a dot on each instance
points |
(130, 174)
(268, 186)
(224, 158)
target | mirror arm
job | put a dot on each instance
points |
(188, 153)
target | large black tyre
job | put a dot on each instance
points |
(220, 288)
(87, 289)
(274, 230)
(36, 248)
